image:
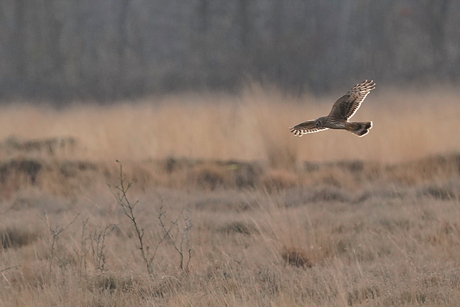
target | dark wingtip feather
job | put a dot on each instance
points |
(363, 132)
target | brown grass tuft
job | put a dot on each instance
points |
(279, 179)
(363, 295)
(296, 257)
(114, 282)
(15, 237)
(238, 228)
(443, 193)
(328, 194)
(209, 176)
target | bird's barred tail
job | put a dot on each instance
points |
(359, 128)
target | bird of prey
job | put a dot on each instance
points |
(342, 110)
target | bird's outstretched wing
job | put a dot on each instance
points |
(347, 105)
(306, 127)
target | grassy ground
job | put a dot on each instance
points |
(231, 209)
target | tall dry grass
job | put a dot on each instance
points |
(253, 125)
(337, 233)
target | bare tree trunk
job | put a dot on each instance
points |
(437, 11)
(277, 34)
(120, 84)
(53, 49)
(244, 23)
(20, 39)
(203, 12)
(203, 28)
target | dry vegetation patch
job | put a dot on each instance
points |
(296, 257)
(251, 126)
(363, 222)
(16, 237)
(325, 252)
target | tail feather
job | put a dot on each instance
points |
(359, 128)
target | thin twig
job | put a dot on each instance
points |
(184, 242)
(10, 268)
(55, 236)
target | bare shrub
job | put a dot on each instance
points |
(178, 233)
(121, 196)
(55, 252)
(98, 246)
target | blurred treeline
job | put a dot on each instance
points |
(115, 49)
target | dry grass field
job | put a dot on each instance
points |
(220, 205)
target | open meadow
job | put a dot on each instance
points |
(215, 203)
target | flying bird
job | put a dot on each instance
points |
(342, 110)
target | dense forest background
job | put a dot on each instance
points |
(106, 50)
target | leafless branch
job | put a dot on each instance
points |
(178, 236)
(120, 193)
